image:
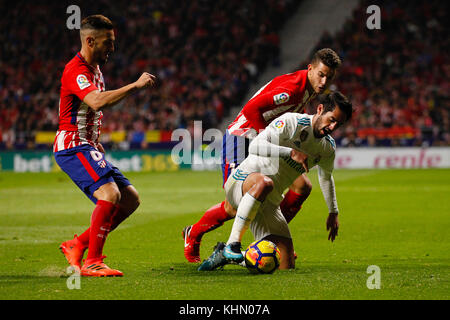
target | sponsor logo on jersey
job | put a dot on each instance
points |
(279, 124)
(281, 98)
(82, 81)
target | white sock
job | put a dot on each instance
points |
(246, 212)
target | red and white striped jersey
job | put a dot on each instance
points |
(285, 93)
(78, 123)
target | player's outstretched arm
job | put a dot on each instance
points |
(263, 146)
(327, 186)
(269, 142)
(98, 100)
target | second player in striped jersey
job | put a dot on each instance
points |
(285, 93)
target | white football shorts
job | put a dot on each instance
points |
(268, 221)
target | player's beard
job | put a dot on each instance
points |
(102, 61)
(320, 90)
(316, 128)
(101, 58)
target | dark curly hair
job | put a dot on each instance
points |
(328, 57)
(336, 98)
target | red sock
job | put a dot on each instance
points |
(117, 219)
(100, 226)
(84, 237)
(213, 218)
(292, 204)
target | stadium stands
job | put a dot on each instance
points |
(398, 77)
(206, 54)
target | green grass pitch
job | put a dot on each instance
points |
(396, 219)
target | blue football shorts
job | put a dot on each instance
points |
(234, 151)
(89, 169)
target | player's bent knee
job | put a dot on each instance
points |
(108, 192)
(136, 200)
(302, 186)
(113, 196)
(307, 187)
(135, 204)
(268, 183)
(130, 199)
(264, 186)
(229, 209)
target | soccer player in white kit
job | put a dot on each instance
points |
(276, 158)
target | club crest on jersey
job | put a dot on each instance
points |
(279, 124)
(281, 98)
(102, 164)
(82, 81)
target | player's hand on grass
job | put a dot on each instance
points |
(301, 158)
(332, 226)
(145, 80)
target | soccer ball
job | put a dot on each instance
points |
(262, 257)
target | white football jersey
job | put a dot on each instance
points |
(269, 154)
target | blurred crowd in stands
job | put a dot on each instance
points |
(398, 77)
(204, 53)
(207, 53)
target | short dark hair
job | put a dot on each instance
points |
(336, 98)
(96, 22)
(328, 57)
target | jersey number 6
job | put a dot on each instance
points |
(96, 155)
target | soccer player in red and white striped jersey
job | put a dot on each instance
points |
(78, 122)
(285, 93)
(77, 149)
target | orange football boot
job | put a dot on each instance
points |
(73, 250)
(96, 268)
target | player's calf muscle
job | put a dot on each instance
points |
(130, 200)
